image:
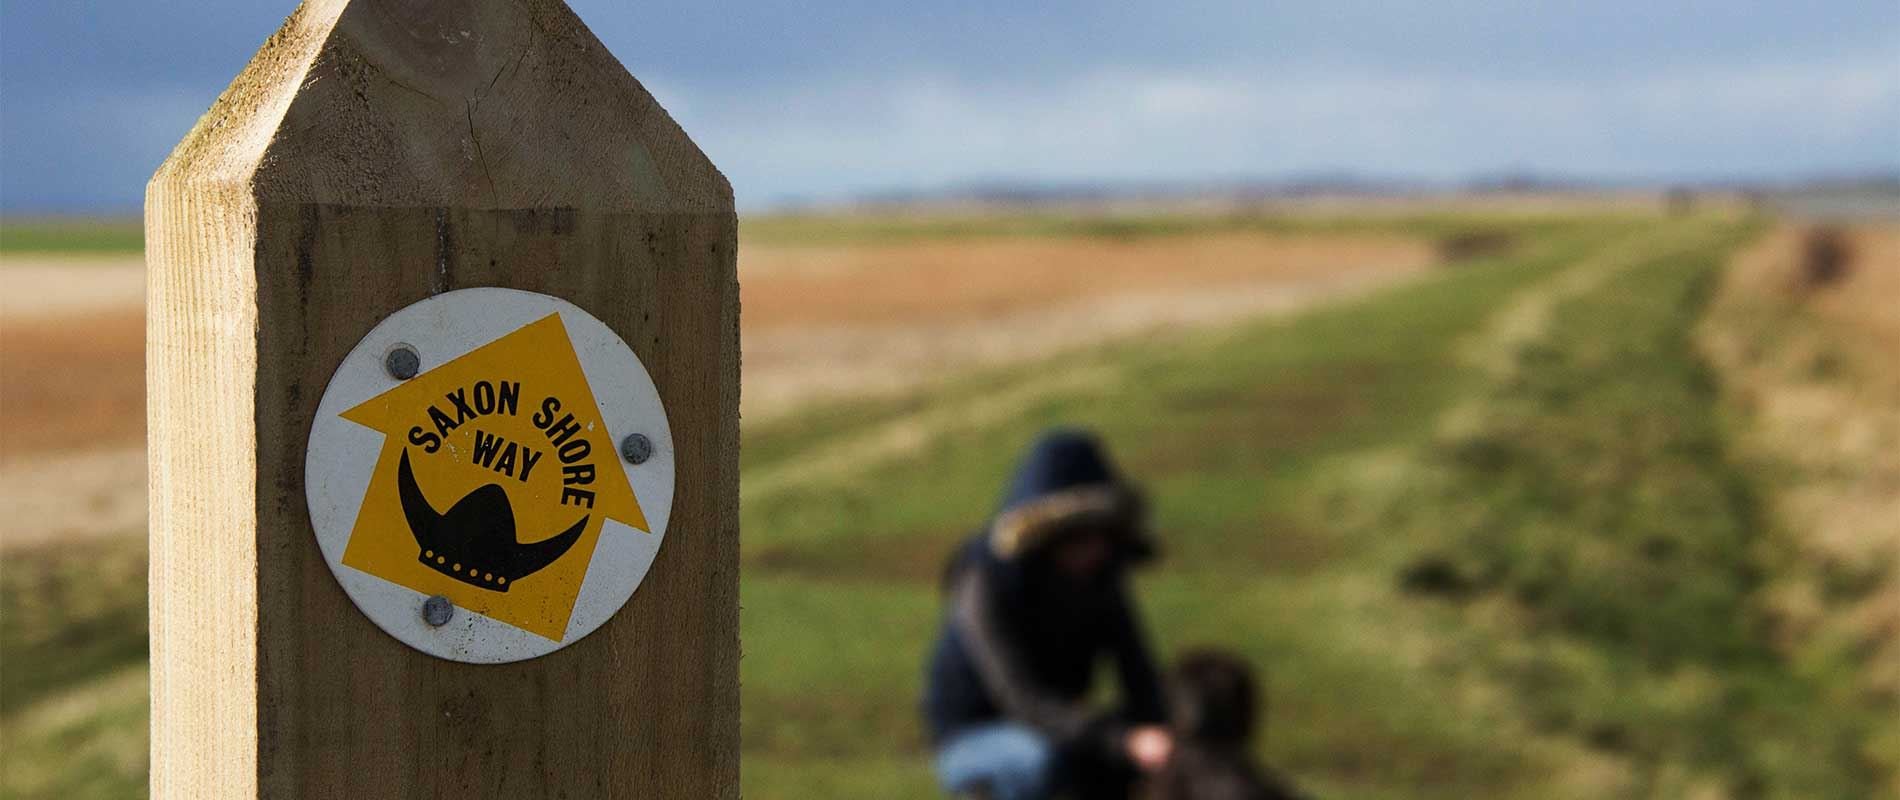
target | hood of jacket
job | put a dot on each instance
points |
(1066, 484)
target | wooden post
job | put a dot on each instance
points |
(373, 154)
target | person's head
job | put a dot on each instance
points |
(1069, 509)
(1211, 698)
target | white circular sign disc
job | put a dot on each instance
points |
(486, 506)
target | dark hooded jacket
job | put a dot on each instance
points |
(1019, 641)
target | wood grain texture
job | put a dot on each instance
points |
(377, 152)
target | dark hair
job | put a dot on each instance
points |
(1211, 697)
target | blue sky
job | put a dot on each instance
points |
(824, 100)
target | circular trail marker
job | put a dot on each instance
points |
(493, 476)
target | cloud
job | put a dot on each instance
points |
(867, 133)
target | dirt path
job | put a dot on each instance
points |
(1497, 347)
(73, 496)
(47, 287)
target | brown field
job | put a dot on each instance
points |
(72, 382)
(914, 282)
(832, 321)
(820, 321)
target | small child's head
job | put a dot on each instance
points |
(1211, 698)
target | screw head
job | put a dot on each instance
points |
(636, 448)
(437, 610)
(403, 362)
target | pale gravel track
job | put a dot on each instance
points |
(42, 287)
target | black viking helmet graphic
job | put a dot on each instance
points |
(474, 542)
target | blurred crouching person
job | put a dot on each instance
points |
(1034, 604)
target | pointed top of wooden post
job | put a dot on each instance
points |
(459, 103)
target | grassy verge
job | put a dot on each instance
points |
(1587, 521)
(73, 701)
(71, 236)
(796, 229)
(1807, 376)
(76, 236)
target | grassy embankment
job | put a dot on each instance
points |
(1807, 354)
(1482, 532)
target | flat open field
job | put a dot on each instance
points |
(823, 320)
(1491, 524)
(845, 320)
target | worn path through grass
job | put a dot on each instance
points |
(1240, 432)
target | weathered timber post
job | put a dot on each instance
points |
(443, 343)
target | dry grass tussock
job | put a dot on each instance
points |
(1810, 366)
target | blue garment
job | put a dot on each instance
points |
(1020, 643)
(1006, 760)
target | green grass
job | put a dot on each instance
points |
(1461, 579)
(82, 235)
(1231, 429)
(71, 236)
(73, 705)
(799, 229)
(1608, 554)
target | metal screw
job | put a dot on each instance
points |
(437, 610)
(636, 448)
(402, 362)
